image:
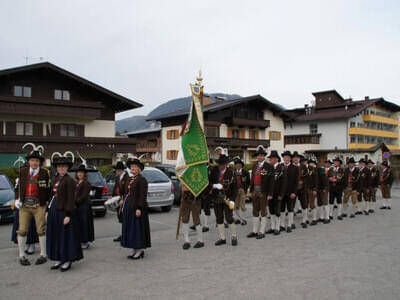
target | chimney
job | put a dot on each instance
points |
(206, 100)
(366, 98)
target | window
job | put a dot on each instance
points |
(253, 134)
(61, 95)
(67, 130)
(24, 128)
(22, 91)
(172, 134)
(275, 135)
(352, 124)
(313, 128)
(212, 131)
(172, 154)
(235, 133)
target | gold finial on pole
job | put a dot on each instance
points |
(199, 78)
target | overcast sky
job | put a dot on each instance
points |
(150, 51)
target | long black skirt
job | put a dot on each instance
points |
(135, 231)
(32, 236)
(86, 225)
(63, 241)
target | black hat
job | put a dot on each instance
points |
(286, 153)
(338, 159)
(63, 160)
(223, 159)
(81, 168)
(274, 153)
(119, 165)
(135, 161)
(35, 154)
(329, 161)
(311, 161)
(260, 151)
(362, 160)
(302, 158)
(238, 161)
(351, 160)
(385, 163)
(370, 162)
(295, 153)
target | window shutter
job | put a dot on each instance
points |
(11, 128)
(1, 128)
(229, 133)
(37, 129)
(55, 129)
(256, 134)
(80, 130)
(242, 133)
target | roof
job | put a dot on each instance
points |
(124, 103)
(145, 130)
(315, 94)
(345, 111)
(372, 149)
(216, 106)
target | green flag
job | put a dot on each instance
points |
(191, 167)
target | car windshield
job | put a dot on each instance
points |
(4, 183)
(155, 176)
(94, 178)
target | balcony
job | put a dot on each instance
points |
(232, 121)
(368, 146)
(148, 147)
(380, 119)
(236, 142)
(299, 139)
(373, 132)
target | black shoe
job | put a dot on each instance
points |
(56, 266)
(117, 239)
(24, 261)
(371, 211)
(352, 216)
(186, 246)
(269, 231)
(340, 218)
(313, 223)
(198, 245)
(366, 212)
(41, 260)
(330, 218)
(220, 242)
(237, 222)
(307, 222)
(388, 207)
(244, 222)
(304, 225)
(141, 255)
(226, 225)
(289, 229)
(252, 235)
(64, 269)
(335, 206)
(193, 227)
(383, 207)
(344, 215)
(205, 229)
(282, 228)
(277, 232)
(299, 211)
(234, 241)
(293, 227)
(358, 213)
(326, 221)
(260, 236)
(320, 220)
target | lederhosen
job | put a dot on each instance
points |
(190, 203)
(363, 184)
(311, 186)
(386, 181)
(258, 189)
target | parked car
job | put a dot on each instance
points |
(99, 193)
(169, 170)
(160, 191)
(7, 196)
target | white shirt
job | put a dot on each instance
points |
(35, 171)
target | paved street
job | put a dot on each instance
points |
(350, 259)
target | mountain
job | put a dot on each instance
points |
(139, 122)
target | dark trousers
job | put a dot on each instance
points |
(221, 210)
(274, 206)
(206, 204)
(335, 194)
(287, 203)
(301, 195)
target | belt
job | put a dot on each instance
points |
(257, 188)
(31, 201)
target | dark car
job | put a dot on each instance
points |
(7, 196)
(169, 170)
(99, 193)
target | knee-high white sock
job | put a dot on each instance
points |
(372, 205)
(340, 209)
(330, 210)
(256, 222)
(389, 202)
(185, 230)
(199, 231)
(221, 231)
(366, 206)
(326, 207)
(282, 220)
(205, 221)
(305, 215)
(263, 226)
(278, 223)
(360, 206)
(21, 245)
(237, 213)
(290, 219)
(268, 212)
(314, 214)
(42, 243)
(232, 227)
(273, 222)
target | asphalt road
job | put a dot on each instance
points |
(351, 259)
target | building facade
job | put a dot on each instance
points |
(47, 105)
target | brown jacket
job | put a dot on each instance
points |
(336, 179)
(120, 186)
(43, 185)
(266, 178)
(386, 177)
(82, 192)
(137, 192)
(65, 194)
(353, 176)
(228, 182)
(365, 176)
(310, 178)
(374, 177)
(279, 180)
(292, 179)
(323, 183)
(244, 176)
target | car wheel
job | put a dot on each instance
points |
(100, 214)
(166, 208)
